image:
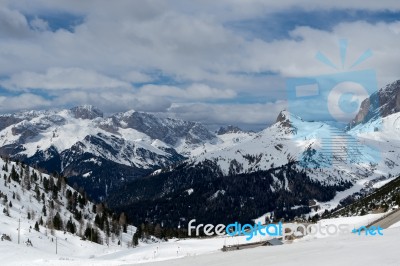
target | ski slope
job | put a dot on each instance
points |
(347, 249)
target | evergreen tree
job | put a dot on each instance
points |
(92, 234)
(37, 191)
(158, 231)
(46, 184)
(71, 227)
(37, 226)
(57, 222)
(14, 175)
(44, 210)
(26, 178)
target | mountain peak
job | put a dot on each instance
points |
(287, 120)
(86, 112)
(228, 129)
(285, 116)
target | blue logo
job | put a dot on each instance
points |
(336, 98)
(368, 231)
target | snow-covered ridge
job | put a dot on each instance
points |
(33, 131)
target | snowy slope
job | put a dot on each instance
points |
(379, 250)
(26, 210)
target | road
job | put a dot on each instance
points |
(389, 220)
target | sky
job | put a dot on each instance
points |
(216, 62)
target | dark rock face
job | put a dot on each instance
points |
(8, 120)
(25, 131)
(228, 129)
(86, 112)
(167, 130)
(283, 120)
(382, 103)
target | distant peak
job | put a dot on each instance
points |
(283, 116)
(229, 129)
(86, 112)
(287, 120)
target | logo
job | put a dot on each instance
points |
(335, 98)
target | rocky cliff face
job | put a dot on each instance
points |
(86, 112)
(229, 129)
(382, 103)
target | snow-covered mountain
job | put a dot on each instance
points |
(371, 149)
(346, 162)
(103, 154)
(325, 152)
(99, 153)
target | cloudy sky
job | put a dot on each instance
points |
(218, 62)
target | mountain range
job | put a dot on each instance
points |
(135, 158)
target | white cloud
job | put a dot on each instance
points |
(246, 114)
(189, 43)
(136, 77)
(39, 24)
(62, 78)
(13, 24)
(25, 101)
(193, 92)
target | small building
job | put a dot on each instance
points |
(273, 242)
(313, 205)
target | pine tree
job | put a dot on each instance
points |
(44, 210)
(46, 185)
(135, 239)
(158, 231)
(37, 191)
(71, 227)
(27, 178)
(37, 226)
(14, 175)
(57, 222)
